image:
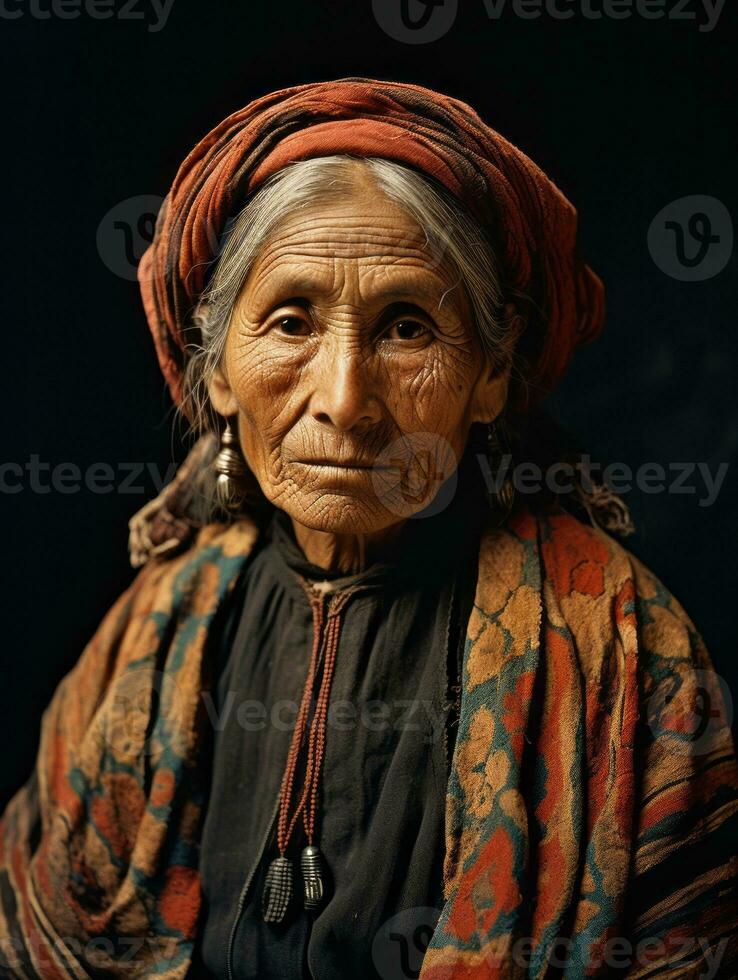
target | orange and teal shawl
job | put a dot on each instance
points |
(592, 809)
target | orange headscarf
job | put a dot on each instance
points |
(437, 135)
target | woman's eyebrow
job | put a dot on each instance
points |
(302, 301)
(385, 287)
(432, 291)
(401, 308)
(416, 280)
(407, 293)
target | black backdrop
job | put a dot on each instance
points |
(626, 115)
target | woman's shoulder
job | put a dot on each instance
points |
(583, 558)
(185, 583)
(562, 598)
(190, 562)
(588, 584)
(191, 579)
(159, 622)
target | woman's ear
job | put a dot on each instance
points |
(491, 388)
(490, 393)
(221, 394)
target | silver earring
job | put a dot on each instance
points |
(231, 470)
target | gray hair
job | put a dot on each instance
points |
(452, 237)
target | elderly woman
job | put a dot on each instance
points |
(367, 711)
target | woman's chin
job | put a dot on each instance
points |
(340, 512)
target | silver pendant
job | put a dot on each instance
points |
(313, 873)
(278, 889)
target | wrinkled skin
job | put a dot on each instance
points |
(355, 370)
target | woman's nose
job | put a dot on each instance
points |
(344, 395)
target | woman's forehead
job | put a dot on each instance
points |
(361, 222)
(373, 280)
(366, 240)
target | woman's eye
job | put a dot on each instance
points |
(293, 326)
(407, 330)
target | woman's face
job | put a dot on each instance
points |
(354, 367)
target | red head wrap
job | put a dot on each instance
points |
(437, 135)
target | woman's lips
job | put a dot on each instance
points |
(342, 464)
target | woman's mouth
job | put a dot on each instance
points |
(342, 464)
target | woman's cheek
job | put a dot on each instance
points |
(264, 374)
(432, 392)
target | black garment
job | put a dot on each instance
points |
(381, 807)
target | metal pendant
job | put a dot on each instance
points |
(278, 889)
(312, 866)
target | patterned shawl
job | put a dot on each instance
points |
(592, 805)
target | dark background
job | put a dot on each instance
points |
(626, 115)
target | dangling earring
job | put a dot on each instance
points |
(501, 497)
(231, 470)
